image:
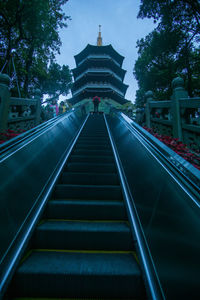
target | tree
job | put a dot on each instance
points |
(57, 81)
(157, 63)
(171, 49)
(32, 29)
(171, 11)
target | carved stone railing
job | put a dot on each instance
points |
(17, 113)
(178, 117)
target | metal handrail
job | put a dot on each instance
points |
(153, 285)
(162, 157)
(8, 146)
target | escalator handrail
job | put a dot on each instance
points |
(17, 142)
(33, 218)
(184, 181)
(153, 285)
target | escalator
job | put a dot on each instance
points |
(83, 246)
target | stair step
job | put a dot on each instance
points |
(86, 209)
(89, 178)
(93, 152)
(94, 141)
(73, 274)
(92, 146)
(93, 192)
(94, 133)
(88, 158)
(97, 140)
(87, 235)
(88, 138)
(91, 167)
(97, 136)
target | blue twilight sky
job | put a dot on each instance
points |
(120, 27)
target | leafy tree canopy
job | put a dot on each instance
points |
(31, 28)
(171, 49)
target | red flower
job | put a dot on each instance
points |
(177, 146)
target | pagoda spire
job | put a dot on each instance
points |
(99, 39)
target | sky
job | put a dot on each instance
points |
(119, 26)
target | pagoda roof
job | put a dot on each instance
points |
(99, 77)
(91, 49)
(90, 93)
(98, 63)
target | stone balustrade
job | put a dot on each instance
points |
(17, 113)
(178, 117)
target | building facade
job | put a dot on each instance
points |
(98, 73)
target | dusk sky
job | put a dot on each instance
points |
(120, 28)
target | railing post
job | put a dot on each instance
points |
(37, 97)
(149, 97)
(4, 101)
(178, 93)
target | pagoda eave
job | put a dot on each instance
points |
(107, 64)
(100, 78)
(89, 93)
(108, 49)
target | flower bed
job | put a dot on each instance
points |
(178, 147)
(8, 135)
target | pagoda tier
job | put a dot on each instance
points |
(104, 93)
(98, 71)
(97, 86)
(102, 51)
(101, 78)
(98, 63)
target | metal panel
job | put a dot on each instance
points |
(26, 170)
(169, 213)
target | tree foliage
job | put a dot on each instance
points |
(31, 28)
(57, 81)
(171, 49)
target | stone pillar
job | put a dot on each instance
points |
(178, 93)
(149, 98)
(4, 101)
(37, 97)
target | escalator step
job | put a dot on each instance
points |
(99, 141)
(88, 138)
(93, 135)
(79, 274)
(87, 235)
(85, 146)
(91, 167)
(88, 158)
(89, 178)
(94, 192)
(86, 209)
(93, 152)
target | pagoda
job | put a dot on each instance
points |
(98, 73)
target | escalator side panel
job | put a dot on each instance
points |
(24, 174)
(169, 216)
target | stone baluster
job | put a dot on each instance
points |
(178, 93)
(4, 101)
(149, 97)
